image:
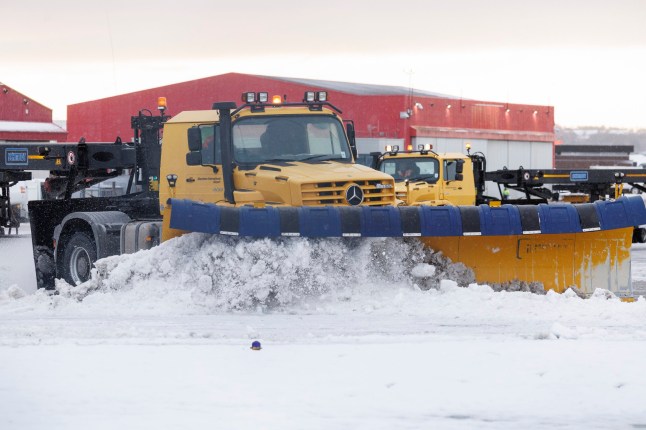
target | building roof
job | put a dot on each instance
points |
(361, 89)
(29, 127)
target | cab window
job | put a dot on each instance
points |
(412, 168)
(210, 144)
(450, 170)
(289, 138)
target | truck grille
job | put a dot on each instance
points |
(333, 193)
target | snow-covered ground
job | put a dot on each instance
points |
(349, 341)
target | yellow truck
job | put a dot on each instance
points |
(268, 154)
(283, 155)
(424, 177)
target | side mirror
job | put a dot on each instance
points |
(194, 159)
(459, 167)
(375, 158)
(459, 177)
(349, 127)
(194, 139)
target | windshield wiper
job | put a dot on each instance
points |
(321, 157)
(420, 178)
(275, 160)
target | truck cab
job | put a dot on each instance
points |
(267, 153)
(429, 178)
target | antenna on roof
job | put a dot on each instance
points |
(409, 107)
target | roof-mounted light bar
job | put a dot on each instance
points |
(424, 149)
(392, 149)
(251, 97)
(263, 97)
(315, 96)
(259, 101)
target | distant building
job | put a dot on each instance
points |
(585, 156)
(25, 120)
(509, 135)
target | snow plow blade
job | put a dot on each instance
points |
(558, 245)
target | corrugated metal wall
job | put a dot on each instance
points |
(375, 116)
(511, 154)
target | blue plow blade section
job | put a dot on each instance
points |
(406, 221)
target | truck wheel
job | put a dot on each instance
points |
(79, 255)
(639, 235)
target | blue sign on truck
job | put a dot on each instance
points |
(579, 176)
(16, 157)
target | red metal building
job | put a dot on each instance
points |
(507, 133)
(23, 119)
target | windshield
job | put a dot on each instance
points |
(422, 168)
(289, 138)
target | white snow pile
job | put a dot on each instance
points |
(235, 273)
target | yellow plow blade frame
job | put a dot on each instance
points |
(588, 260)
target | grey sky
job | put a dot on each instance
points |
(584, 57)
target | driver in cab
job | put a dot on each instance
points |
(407, 169)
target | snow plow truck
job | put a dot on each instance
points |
(272, 168)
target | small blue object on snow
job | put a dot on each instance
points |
(255, 345)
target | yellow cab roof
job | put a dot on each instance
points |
(196, 116)
(212, 115)
(429, 154)
(291, 110)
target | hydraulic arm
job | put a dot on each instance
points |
(596, 183)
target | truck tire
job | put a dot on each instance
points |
(639, 235)
(79, 256)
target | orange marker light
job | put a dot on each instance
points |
(276, 100)
(161, 103)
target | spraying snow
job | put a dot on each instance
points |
(223, 273)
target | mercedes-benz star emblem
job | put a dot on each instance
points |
(354, 195)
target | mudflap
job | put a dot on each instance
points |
(586, 260)
(45, 267)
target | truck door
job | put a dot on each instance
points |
(205, 182)
(455, 190)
